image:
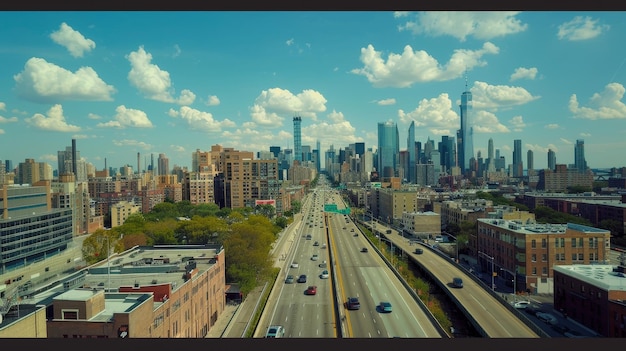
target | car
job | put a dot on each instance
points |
(521, 304)
(290, 279)
(457, 282)
(323, 246)
(311, 290)
(294, 264)
(302, 278)
(385, 306)
(418, 251)
(309, 237)
(547, 317)
(323, 264)
(324, 274)
(275, 331)
(317, 243)
(352, 230)
(532, 309)
(364, 249)
(353, 303)
(315, 257)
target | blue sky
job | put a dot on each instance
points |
(173, 82)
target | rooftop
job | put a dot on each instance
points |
(603, 276)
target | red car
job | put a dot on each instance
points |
(311, 290)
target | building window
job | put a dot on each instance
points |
(591, 258)
(544, 244)
(544, 257)
(534, 270)
(581, 257)
(533, 243)
(573, 242)
(562, 257)
(574, 257)
(582, 288)
(544, 270)
(556, 243)
(580, 242)
(533, 258)
(70, 314)
(592, 244)
(557, 257)
(562, 242)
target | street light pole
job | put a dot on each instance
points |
(491, 258)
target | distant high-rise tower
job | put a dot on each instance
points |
(465, 136)
(410, 146)
(529, 161)
(297, 139)
(447, 151)
(163, 165)
(551, 160)
(491, 162)
(579, 156)
(388, 149)
(518, 165)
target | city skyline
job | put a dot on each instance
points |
(152, 83)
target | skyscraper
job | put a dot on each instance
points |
(297, 139)
(518, 165)
(465, 135)
(491, 162)
(163, 165)
(530, 162)
(551, 160)
(579, 156)
(318, 161)
(410, 146)
(447, 152)
(388, 149)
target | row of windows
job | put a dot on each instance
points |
(593, 256)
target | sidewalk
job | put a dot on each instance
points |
(234, 321)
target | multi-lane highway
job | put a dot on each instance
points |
(494, 318)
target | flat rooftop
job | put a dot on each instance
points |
(601, 275)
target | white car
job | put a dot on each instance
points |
(521, 304)
(547, 317)
(324, 274)
(294, 264)
(314, 257)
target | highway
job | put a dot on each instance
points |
(495, 319)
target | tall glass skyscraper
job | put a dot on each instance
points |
(551, 159)
(465, 136)
(579, 156)
(410, 146)
(388, 149)
(518, 165)
(297, 139)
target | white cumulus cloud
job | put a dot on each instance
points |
(486, 96)
(604, 105)
(72, 40)
(272, 106)
(126, 118)
(153, 82)
(482, 25)
(201, 121)
(54, 121)
(45, 82)
(410, 67)
(524, 73)
(581, 28)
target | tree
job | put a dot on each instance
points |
(100, 244)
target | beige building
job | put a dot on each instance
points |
(422, 224)
(121, 211)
